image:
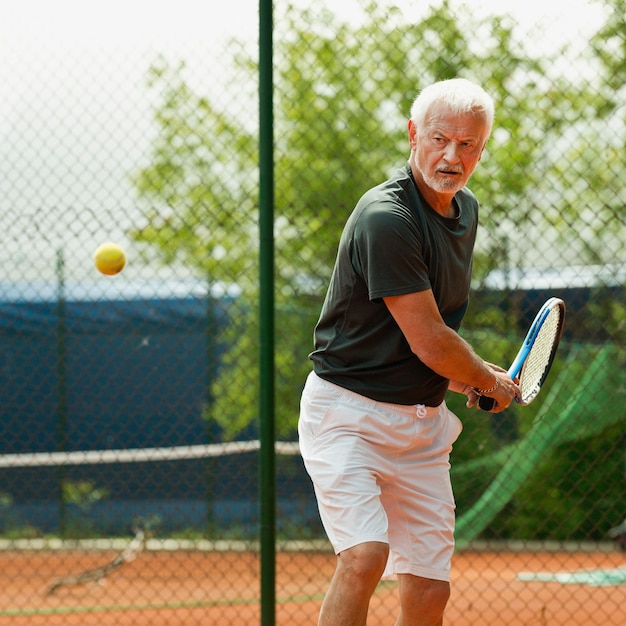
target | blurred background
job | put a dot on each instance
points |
(138, 122)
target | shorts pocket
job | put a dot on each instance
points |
(316, 403)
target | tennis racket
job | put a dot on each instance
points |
(534, 359)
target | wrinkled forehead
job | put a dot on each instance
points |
(472, 121)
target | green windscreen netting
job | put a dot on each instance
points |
(585, 413)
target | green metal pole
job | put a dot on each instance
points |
(62, 423)
(209, 420)
(267, 489)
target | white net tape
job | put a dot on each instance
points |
(137, 455)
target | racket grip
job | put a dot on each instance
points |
(486, 403)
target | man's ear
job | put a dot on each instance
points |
(412, 133)
(480, 156)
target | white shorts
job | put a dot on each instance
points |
(381, 472)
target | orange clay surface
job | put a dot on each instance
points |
(223, 588)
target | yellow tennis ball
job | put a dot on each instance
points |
(109, 258)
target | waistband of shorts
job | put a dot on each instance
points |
(412, 410)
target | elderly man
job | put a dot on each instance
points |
(375, 433)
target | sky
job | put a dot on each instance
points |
(75, 114)
(69, 23)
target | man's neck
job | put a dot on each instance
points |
(441, 203)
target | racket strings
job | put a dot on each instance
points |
(540, 356)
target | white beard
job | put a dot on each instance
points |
(441, 185)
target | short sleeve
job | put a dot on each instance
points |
(388, 251)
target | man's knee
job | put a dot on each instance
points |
(365, 560)
(438, 595)
(424, 597)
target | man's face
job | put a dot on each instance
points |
(447, 148)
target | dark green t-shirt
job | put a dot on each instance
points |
(394, 243)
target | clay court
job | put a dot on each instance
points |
(191, 587)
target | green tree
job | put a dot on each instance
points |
(343, 93)
(609, 45)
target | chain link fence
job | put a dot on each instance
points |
(130, 418)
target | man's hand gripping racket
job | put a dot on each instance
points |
(534, 359)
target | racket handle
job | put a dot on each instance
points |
(486, 403)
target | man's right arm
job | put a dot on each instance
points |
(443, 350)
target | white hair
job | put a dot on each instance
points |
(460, 94)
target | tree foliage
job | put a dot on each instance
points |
(342, 99)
